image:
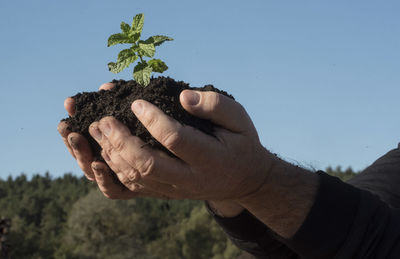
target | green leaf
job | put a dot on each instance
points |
(146, 49)
(125, 58)
(137, 24)
(118, 39)
(125, 28)
(141, 73)
(158, 39)
(115, 67)
(127, 55)
(157, 65)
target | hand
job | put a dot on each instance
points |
(225, 209)
(229, 166)
(99, 172)
(76, 144)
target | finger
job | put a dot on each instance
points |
(113, 136)
(112, 188)
(116, 166)
(218, 108)
(83, 153)
(107, 86)
(108, 185)
(64, 132)
(189, 144)
(69, 105)
(129, 176)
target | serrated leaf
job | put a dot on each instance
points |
(157, 65)
(158, 39)
(146, 49)
(127, 54)
(125, 28)
(117, 39)
(125, 58)
(142, 73)
(114, 67)
(137, 24)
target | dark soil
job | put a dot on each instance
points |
(162, 91)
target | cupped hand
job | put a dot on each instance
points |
(76, 144)
(99, 172)
(229, 166)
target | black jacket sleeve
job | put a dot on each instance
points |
(344, 222)
(347, 222)
(253, 236)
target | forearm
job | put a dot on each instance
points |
(336, 222)
(284, 200)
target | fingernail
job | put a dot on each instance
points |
(191, 97)
(97, 169)
(96, 134)
(73, 143)
(105, 128)
(137, 108)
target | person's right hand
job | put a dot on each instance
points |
(231, 165)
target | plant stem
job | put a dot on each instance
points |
(141, 59)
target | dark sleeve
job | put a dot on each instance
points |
(344, 222)
(253, 236)
(347, 222)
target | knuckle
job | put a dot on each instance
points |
(215, 100)
(133, 175)
(172, 140)
(136, 188)
(126, 181)
(119, 145)
(147, 167)
(150, 120)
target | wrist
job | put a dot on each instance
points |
(283, 201)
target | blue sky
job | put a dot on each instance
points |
(319, 78)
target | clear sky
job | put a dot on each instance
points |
(320, 79)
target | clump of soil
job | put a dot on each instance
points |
(162, 91)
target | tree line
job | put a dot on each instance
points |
(68, 217)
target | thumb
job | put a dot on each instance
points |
(220, 109)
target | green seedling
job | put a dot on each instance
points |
(138, 50)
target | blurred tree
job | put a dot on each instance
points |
(197, 236)
(38, 209)
(344, 175)
(67, 218)
(5, 225)
(102, 228)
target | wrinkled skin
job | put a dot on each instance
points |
(228, 167)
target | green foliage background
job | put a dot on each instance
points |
(68, 217)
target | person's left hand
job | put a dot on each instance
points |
(97, 171)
